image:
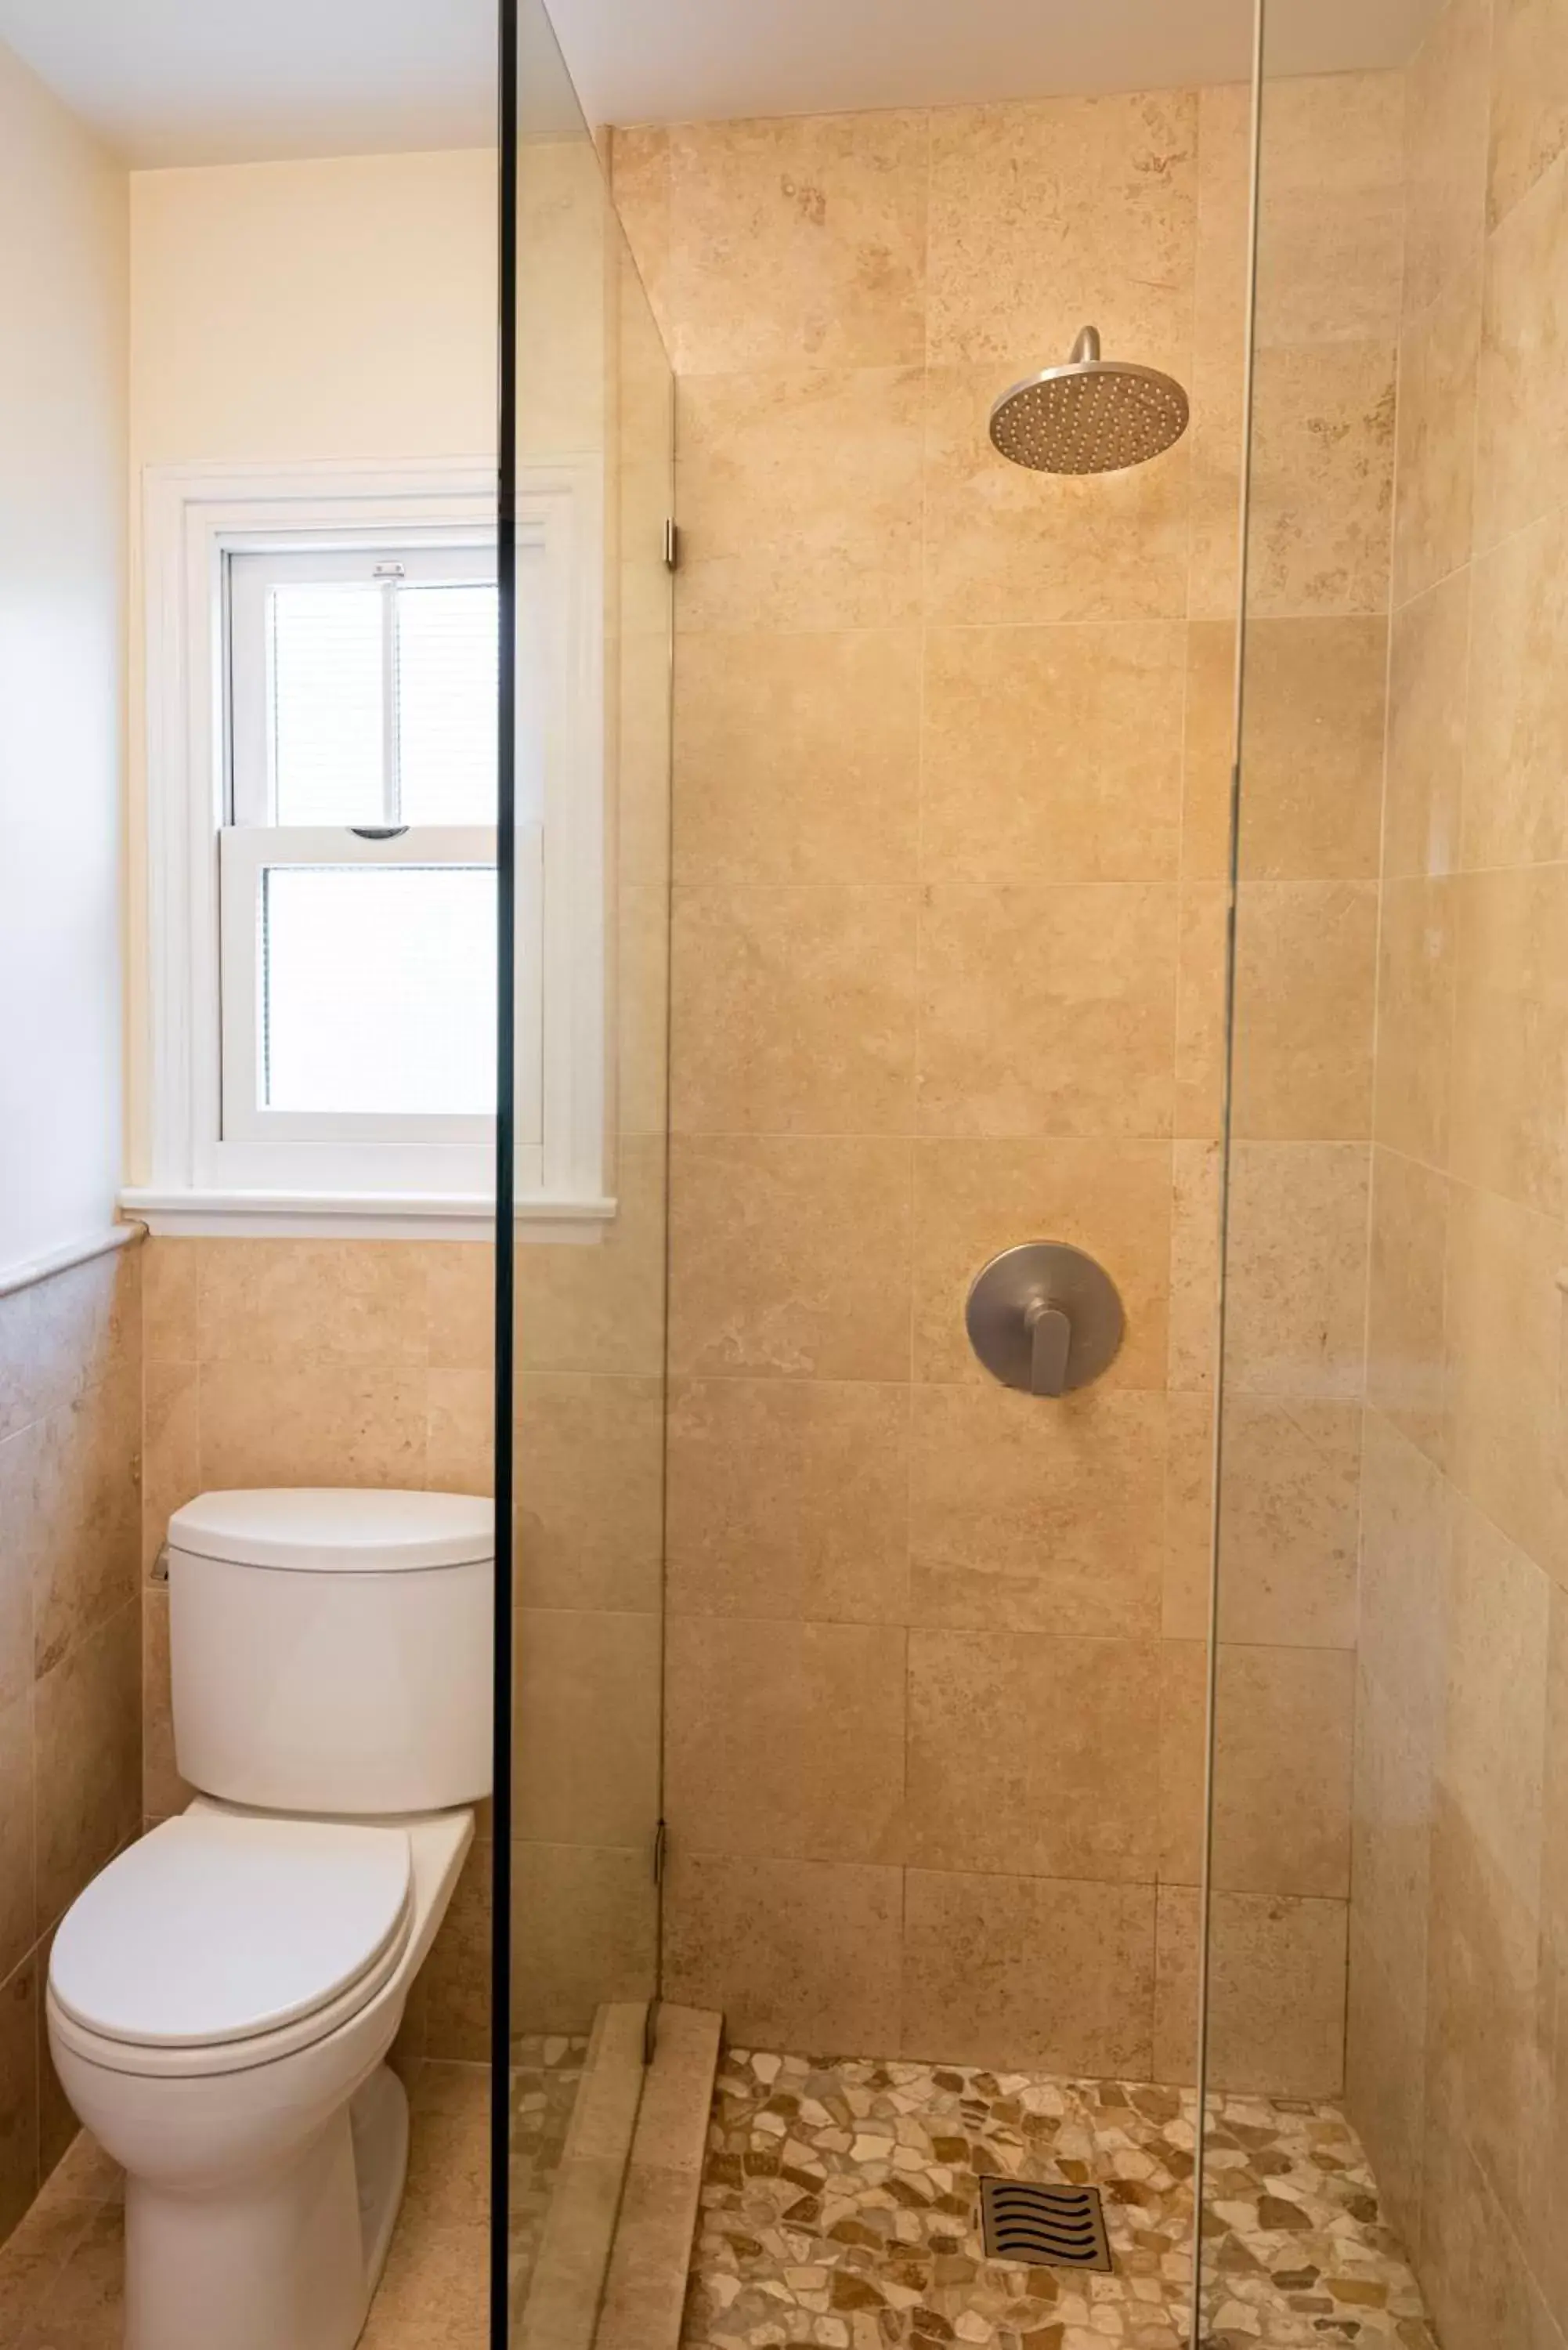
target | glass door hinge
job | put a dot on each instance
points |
(660, 1849)
(671, 544)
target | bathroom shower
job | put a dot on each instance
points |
(1093, 416)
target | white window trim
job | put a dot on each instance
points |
(193, 515)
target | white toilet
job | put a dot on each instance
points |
(223, 1998)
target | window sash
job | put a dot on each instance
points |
(250, 578)
(245, 854)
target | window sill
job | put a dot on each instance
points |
(337, 1215)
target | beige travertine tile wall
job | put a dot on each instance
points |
(70, 1655)
(1459, 2018)
(952, 748)
(316, 1362)
(370, 1362)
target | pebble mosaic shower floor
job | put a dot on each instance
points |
(839, 2212)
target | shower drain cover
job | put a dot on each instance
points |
(1046, 2227)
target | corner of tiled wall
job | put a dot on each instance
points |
(70, 1729)
(1458, 2026)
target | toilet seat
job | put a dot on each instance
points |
(223, 1938)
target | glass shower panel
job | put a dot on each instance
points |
(1329, 1411)
(593, 456)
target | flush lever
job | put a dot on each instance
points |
(1050, 1337)
(1044, 1318)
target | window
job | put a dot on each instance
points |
(356, 895)
(322, 783)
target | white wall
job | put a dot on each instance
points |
(288, 312)
(344, 308)
(63, 274)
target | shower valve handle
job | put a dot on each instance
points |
(1044, 1318)
(1051, 1339)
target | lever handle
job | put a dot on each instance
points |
(1044, 1318)
(1050, 1337)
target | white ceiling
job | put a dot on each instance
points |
(188, 81)
(202, 81)
(718, 58)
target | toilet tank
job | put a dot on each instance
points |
(331, 1650)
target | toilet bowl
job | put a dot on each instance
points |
(222, 1998)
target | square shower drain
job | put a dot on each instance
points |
(1045, 2227)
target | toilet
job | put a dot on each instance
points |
(222, 1998)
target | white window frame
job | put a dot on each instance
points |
(195, 1178)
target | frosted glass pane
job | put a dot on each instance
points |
(379, 988)
(448, 681)
(328, 713)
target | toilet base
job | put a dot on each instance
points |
(284, 2261)
(378, 2121)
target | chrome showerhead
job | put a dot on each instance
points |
(1092, 416)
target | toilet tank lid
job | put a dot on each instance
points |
(337, 1530)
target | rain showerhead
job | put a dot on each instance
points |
(1092, 416)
